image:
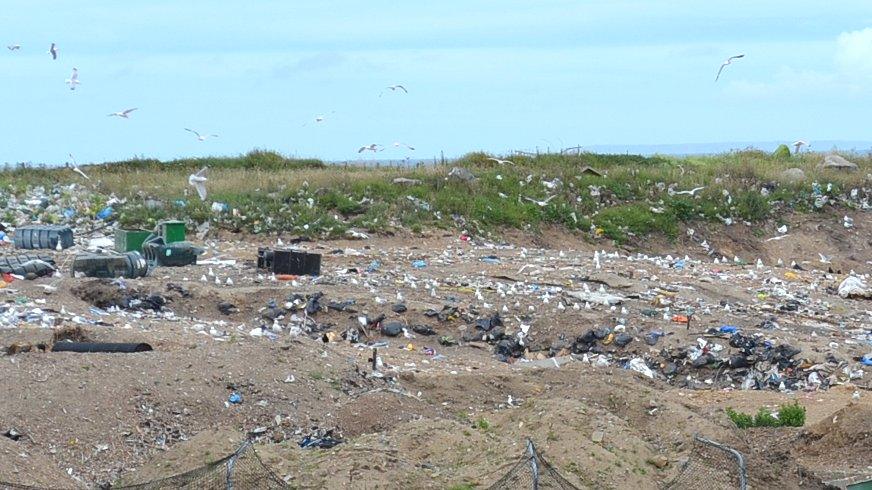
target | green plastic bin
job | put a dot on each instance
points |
(130, 240)
(172, 231)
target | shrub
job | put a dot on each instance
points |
(792, 415)
(742, 420)
(764, 418)
(782, 152)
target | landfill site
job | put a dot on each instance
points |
(184, 357)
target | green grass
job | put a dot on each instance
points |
(789, 415)
(271, 193)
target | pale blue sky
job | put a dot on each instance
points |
(481, 75)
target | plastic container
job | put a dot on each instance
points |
(43, 236)
(176, 254)
(130, 265)
(130, 240)
(25, 264)
(289, 262)
(172, 231)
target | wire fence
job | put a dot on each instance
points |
(711, 465)
(242, 470)
(532, 472)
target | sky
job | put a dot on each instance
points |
(493, 76)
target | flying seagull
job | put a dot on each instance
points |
(320, 118)
(541, 203)
(74, 79)
(77, 169)
(123, 114)
(728, 62)
(198, 181)
(373, 147)
(13, 47)
(797, 145)
(393, 88)
(398, 144)
(691, 192)
(201, 137)
(53, 51)
(501, 162)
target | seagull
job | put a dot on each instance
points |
(53, 51)
(825, 259)
(797, 145)
(198, 181)
(74, 79)
(201, 137)
(728, 62)
(501, 162)
(398, 144)
(373, 147)
(13, 47)
(541, 203)
(77, 169)
(123, 114)
(319, 118)
(691, 192)
(393, 88)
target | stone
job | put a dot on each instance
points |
(597, 436)
(836, 162)
(659, 461)
(793, 175)
(461, 174)
(405, 181)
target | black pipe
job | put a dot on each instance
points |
(100, 347)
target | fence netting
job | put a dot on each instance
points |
(532, 472)
(711, 465)
(242, 470)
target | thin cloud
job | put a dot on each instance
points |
(854, 52)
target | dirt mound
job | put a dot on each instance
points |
(22, 456)
(843, 441)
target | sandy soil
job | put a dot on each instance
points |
(433, 421)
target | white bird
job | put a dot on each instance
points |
(198, 181)
(77, 169)
(728, 62)
(782, 229)
(825, 259)
(319, 118)
(393, 88)
(125, 114)
(541, 203)
(501, 162)
(373, 147)
(691, 192)
(397, 144)
(201, 137)
(797, 145)
(13, 47)
(53, 51)
(74, 79)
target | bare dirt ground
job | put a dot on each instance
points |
(442, 415)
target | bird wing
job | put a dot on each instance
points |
(79, 171)
(361, 149)
(128, 111)
(202, 172)
(201, 190)
(410, 147)
(404, 88)
(731, 58)
(192, 131)
(721, 69)
(494, 160)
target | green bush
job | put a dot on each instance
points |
(742, 420)
(782, 152)
(792, 415)
(764, 418)
(789, 415)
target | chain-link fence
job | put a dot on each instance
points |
(242, 470)
(532, 472)
(711, 465)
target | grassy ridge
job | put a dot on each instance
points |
(272, 193)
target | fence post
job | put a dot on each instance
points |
(232, 462)
(534, 466)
